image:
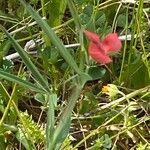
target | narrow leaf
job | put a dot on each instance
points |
(52, 100)
(18, 80)
(60, 133)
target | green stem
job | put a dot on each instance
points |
(82, 51)
(124, 49)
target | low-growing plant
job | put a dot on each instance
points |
(79, 96)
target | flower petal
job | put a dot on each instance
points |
(92, 36)
(111, 43)
(97, 54)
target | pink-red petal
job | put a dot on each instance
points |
(111, 43)
(97, 54)
(92, 36)
(99, 50)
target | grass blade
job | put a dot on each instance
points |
(18, 80)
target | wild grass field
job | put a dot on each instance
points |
(75, 75)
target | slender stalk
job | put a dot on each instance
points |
(8, 106)
(82, 52)
(124, 49)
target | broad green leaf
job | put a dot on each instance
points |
(37, 76)
(88, 103)
(55, 9)
(121, 21)
(105, 139)
(83, 78)
(53, 37)
(96, 72)
(133, 73)
(40, 98)
(18, 80)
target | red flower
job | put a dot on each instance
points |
(99, 49)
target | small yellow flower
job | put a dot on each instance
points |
(111, 90)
